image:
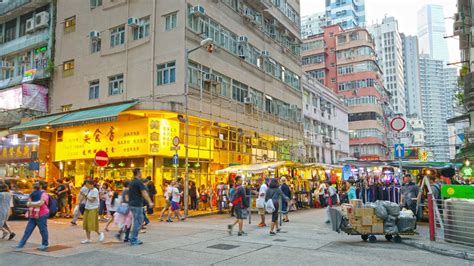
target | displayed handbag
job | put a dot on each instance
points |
(260, 204)
(123, 209)
(269, 207)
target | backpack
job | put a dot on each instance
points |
(52, 205)
(234, 199)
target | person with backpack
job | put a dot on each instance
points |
(240, 203)
(284, 204)
(38, 214)
(273, 196)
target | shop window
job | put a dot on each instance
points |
(171, 21)
(117, 36)
(70, 24)
(143, 29)
(166, 73)
(116, 85)
(68, 68)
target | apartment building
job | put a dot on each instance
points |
(127, 72)
(26, 45)
(326, 131)
(348, 13)
(313, 24)
(345, 61)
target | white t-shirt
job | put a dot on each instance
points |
(93, 193)
(176, 196)
(168, 191)
(263, 189)
(82, 199)
(322, 189)
(114, 207)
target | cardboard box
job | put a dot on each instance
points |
(356, 203)
(364, 212)
(355, 222)
(364, 229)
(377, 228)
(376, 219)
(366, 220)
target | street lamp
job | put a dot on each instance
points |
(205, 42)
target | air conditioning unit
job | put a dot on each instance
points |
(41, 20)
(198, 11)
(248, 100)
(209, 77)
(243, 39)
(94, 34)
(133, 22)
(30, 25)
(5, 65)
(265, 53)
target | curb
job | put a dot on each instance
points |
(446, 252)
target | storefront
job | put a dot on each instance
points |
(19, 156)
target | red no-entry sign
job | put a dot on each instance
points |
(101, 158)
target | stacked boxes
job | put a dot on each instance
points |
(364, 220)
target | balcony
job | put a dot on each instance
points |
(24, 42)
(15, 8)
(14, 81)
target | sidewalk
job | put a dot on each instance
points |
(439, 246)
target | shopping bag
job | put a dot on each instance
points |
(260, 203)
(269, 207)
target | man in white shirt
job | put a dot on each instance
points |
(175, 199)
(261, 195)
(167, 195)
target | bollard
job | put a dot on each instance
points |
(431, 217)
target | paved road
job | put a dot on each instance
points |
(204, 241)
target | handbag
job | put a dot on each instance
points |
(269, 207)
(260, 204)
(123, 209)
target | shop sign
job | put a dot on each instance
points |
(29, 76)
(467, 171)
(9, 152)
(457, 191)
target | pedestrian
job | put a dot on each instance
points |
(175, 199)
(332, 199)
(115, 201)
(91, 213)
(275, 194)
(137, 194)
(351, 190)
(240, 202)
(231, 195)
(38, 214)
(61, 193)
(124, 217)
(80, 207)
(5, 205)
(103, 191)
(284, 204)
(204, 197)
(70, 191)
(193, 195)
(152, 191)
(167, 196)
(409, 193)
(261, 198)
(145, 207)
(321, 194)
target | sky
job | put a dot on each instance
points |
(405, 11)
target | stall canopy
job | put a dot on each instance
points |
(83, 116)
(431, 165)
(252, 168)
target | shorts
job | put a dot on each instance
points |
(261, 211)
(240, 214)
(62, 202)
(174, 206)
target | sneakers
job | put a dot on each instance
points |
(118, 236)
(169, 221)
(18, 246)
(229, 229)
(12, 235)
(241, 233)
(101, 237)
(272, 233)
(42, 248)
(126, 240)
(136, 243)
(86, 241)
(73, 223)
(4, 234)
(261, 225)
(278, 230)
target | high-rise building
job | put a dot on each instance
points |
(411, 67)
(26, 49)
(388, 45)
(313, 24)
(345, 61)
(224, 77)
(433, 82)
(431, 32)
(348, 13)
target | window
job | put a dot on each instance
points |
(239, 91)
(94, 89)
(95, 45)
(10, 30)
(68, 68)
(166, 73)
(116, 85)
(333, 80)
(95, 3)
(23, 20)
(70, 24)
(142, 30)
(66, 107)
(331, 34)
(170, 21)
(117, 36)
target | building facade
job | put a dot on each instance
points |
(345, 61)
(127, 72)
(411, 67)
(326, 131)
(313, 24)
(431, 32)
(26, 50)
(348, 13)
(388, 46)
